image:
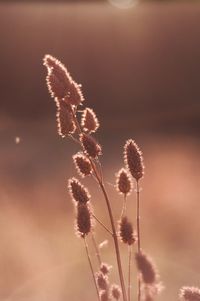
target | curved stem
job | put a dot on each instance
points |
(91, 268)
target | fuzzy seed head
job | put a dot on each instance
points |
(105, 268)
(133, 159)
(104, 295)
(116, 291)
(64, 119)
(126, 233)
(90, 146)
(123, 182)
(189, 293)
(102, 281)
(60, 83)
(146, 268)
(89, 121)
(83, 220)
(82, 164)
(78, 192)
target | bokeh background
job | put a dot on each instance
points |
(139, 66)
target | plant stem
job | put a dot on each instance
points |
(102, 224)
(129, 272)
(138, 234)
(96, 249)
(91, 268)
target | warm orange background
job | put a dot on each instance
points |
(140, 72)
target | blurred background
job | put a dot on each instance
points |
(138, 62)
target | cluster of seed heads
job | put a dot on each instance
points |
(68, 97)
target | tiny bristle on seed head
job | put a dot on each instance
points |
(78, 192)
(105, 268)
(133, 159)
(123, 182)
(126, 233)
(115, 291)
(89, 121)
(83, 220)
(60, 83)
(102, 281)
(65, 122)
(82, 164)
(90, 146)
(146, 268)
(189, 293)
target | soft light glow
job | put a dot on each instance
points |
(123, 4)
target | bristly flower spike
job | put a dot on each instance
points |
(82, 164)
(189, 293)
(133, 159)
(78, 192)
(60, 83)
(90, 146)
(126, 233)
(123, 182)
(89, 121)
(115, 291)
(65, 122)
(83, 220)
(146, 268)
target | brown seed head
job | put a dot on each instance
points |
(65, 121)
(89, 121)
(105, 268)
(78, 192)
(82, 164)
(60, 83)
(189, 293)
(116, 291)
(104, 295)
(146, 268)
(123, 182)
(102, 281)
(83, 220)
(90, 146)
(133, 159)
(126, 231)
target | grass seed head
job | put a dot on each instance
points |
(89, 121)
(60, 83)
(78, 192)
(189, 293)
(82, 164)
(126, 231)
(123, 182)
(102, 281)
(105, 268)
(133, 159)
(83, 220)
(116, 291)
(64, 118)
(104, 295)
(90, 146)
(146, 268)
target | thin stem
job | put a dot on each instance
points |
(91, 267)
(124, 207)
(138, 234)
(129, 271)
(98, 220)
(96, 249)
(138, 216)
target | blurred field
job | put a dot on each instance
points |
(41, 258)
(140, 72)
